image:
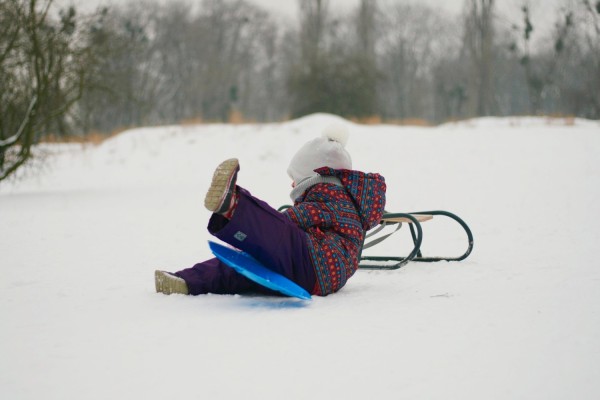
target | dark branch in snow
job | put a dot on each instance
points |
(14, 138)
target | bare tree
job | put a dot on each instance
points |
(262, 92)
(413, 40)
(581, 82)
(216, 61)
(331, 68)
(366, 24)
(479, 46)
(41, 77)
(123, 74)
(540, 68)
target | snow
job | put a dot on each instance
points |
(519, 319)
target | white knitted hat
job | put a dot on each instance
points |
(325, 151)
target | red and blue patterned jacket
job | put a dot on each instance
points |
(335, 219)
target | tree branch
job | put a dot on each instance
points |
(15, 138)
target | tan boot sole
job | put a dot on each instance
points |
(221, 182)
(169, 284)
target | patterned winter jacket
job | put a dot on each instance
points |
(335, 219)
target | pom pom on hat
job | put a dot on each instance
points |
(337, 133)
(325, 151)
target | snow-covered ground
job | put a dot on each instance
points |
(519, 319)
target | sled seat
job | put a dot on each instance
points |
(405, 220)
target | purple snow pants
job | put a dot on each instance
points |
(262, 232)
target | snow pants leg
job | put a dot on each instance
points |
(262, 232)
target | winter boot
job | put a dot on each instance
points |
(222, 188)
(168, 283)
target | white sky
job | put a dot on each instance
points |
(543, 11)
(289, 7)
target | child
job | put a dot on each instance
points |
(316, 243)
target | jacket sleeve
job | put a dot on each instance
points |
(310, 215)
(374, 204)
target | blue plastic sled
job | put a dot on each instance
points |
(252, 269)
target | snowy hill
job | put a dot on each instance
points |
(519, 319)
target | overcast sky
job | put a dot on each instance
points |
(543, 11)
(289, 7)
(284, 7)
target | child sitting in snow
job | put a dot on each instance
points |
(316, 243)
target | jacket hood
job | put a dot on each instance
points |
(367, 191)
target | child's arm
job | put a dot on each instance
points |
(309, 215)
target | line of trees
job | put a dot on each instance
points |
(62, 72)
